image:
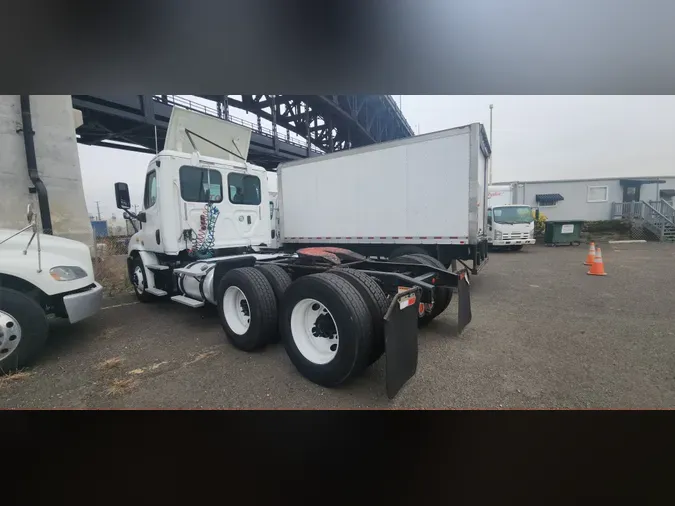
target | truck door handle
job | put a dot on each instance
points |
(248, 220)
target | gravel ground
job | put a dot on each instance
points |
(544, 335)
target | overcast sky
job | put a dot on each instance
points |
(534, 138)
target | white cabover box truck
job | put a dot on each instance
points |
(209, 235)
(423, 195)
(510, 226)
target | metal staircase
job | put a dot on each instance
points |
(655, 219)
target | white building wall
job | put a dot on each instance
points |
(576, 204)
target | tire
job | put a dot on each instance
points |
(279, 280)
(377, 303)
(138, 271)
(407, 250)
(247, 298)
(442, 296)
(23, 329)
(344, 314)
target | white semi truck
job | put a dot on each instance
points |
(510, 226)
(41, 276)
(305, 266)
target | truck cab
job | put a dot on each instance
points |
(510, 226)
(189, 198)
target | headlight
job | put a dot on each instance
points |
(67, 273)
(498, 235)
(532, 234)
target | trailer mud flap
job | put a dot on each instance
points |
(400, 340)
(463, 302)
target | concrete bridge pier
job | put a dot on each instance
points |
(58, 166)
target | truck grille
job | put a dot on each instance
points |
(514, 235)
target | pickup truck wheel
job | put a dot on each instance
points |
(139, 281)
(279, 280)
(326, 328)
(377, 303)
(23, 329)
(442, 296)
(247, 308)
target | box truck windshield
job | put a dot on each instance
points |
(512, 215)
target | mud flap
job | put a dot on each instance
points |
(463, 302)
(400, 340)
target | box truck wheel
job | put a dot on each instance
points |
(23, 329)
(326, 328)
(247, 308)
(139, 281)
(442, 295)
(377, 303)
(406, 250)
(279, 280)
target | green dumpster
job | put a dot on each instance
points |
(562, 233)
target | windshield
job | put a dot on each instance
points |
(512, 215)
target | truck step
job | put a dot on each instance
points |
(156, 291)
(187, 301)
(188, 272)
(157, 267)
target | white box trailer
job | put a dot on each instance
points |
(424, 194)
(209, 235)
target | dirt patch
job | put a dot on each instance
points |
(111, 272)
(13, 378)
(111, 363)
(121, 386)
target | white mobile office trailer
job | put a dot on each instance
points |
(424, 194)
(210, 235)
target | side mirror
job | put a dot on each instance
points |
(141, 217)
(536, 214)
(122, 197)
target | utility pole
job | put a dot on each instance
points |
(98, 210)
(491, 154)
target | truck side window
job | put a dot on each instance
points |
(194, 184)
(244, 189)
(150, 196)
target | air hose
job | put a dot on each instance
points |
(202, 245)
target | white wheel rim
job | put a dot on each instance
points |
(237, 310)
(138, 279)
(10, 335)
(314, 331)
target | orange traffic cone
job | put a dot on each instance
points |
(591, 254)
(598, 268)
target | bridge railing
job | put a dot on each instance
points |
(178, 101)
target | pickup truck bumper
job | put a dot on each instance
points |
(82, 305)
(512, 242)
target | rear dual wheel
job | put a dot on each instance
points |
(442, 295)
(326, 328)
(247, 308)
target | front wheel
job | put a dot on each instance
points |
(23, 329)
(139, 281)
